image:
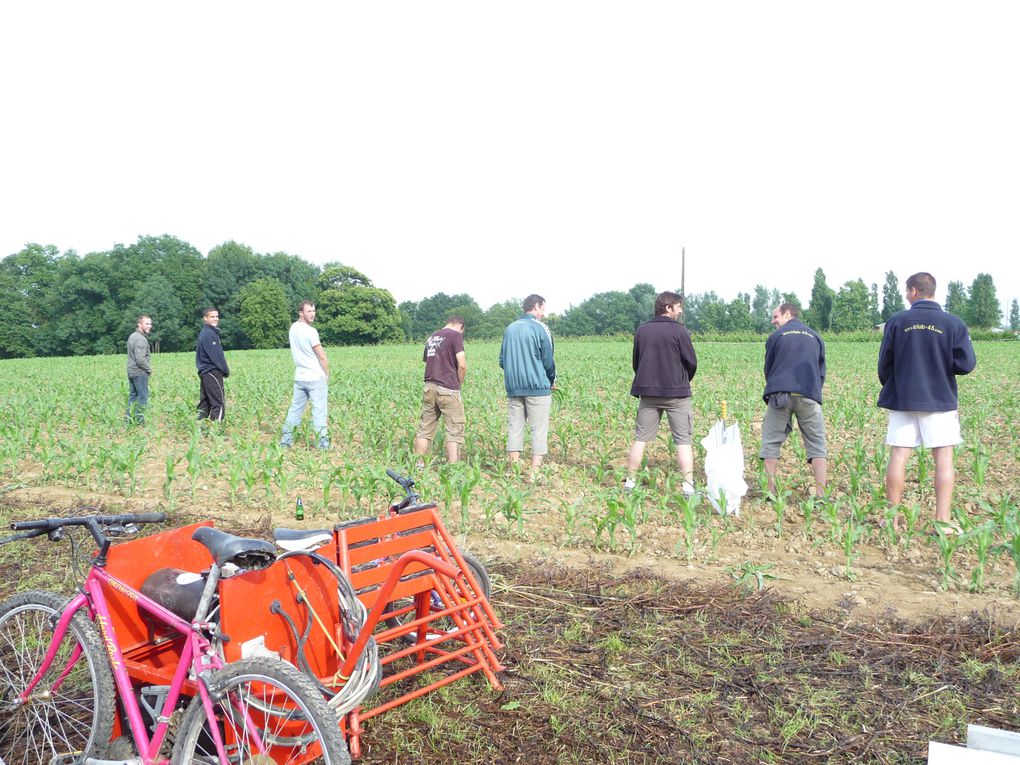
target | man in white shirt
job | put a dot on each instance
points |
(311, 372)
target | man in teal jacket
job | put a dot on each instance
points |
(529, 374)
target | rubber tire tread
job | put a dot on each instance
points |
(284, 676)
(93, 653)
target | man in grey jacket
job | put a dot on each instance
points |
(138, 370)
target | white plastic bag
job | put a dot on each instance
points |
(724, 466)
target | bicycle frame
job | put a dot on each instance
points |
(198, 656)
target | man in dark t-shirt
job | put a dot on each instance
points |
(445, 367)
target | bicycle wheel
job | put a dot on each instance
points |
(65, 716)
(267, 713)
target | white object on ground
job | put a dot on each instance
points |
(724, 466)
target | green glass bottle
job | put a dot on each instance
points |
(299, 511)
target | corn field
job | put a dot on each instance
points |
(63, 426)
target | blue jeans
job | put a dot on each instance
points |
(138, 396)
(316, 392)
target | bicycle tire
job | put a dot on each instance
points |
(77, 717)
(288, 711)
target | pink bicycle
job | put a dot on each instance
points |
(64, 688)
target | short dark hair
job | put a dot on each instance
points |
(140, 317)
(454, 319)
(664, 300)
(791, 308)
(531, 301)
(209, 310)
(923, 282)
(303, 303)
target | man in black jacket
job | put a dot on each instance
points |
(923, 350)
(212, 368)
(664, 364)
(794, 376)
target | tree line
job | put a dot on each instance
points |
(65, 304)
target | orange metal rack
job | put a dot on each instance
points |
(426, 610)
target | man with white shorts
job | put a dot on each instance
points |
(923, 350)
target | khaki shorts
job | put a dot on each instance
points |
(438, 401)
(678, 412)
(930, 429)
(778, 424)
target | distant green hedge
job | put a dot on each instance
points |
(872, 336)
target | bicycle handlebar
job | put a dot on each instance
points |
(50, 524)
(94, 523)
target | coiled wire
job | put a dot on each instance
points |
(367, 673)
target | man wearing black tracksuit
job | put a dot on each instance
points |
(212, 368)
(794, 376)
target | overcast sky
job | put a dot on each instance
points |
(501, 149)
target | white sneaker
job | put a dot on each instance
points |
(629, 484)
(687, 488)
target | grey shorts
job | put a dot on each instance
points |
(533, 411)
(678, 411)
(778, 425)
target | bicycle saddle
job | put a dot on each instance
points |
(301, 539)
(248, 554)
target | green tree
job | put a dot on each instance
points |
(643, 295)
(497, 317)
(789, 297)
(1014, 315)
(175, 260)
(170, 329)
(26, 279)
(738, 313)
(265, 312)
(983, 310)
(353, 312)
(851, 308)
(607, 313)
(875, 314)
(892, 297)
(228, 268)
(956, 300)
(762, 305)
(85, 314)
(430, 313)
(819, 312)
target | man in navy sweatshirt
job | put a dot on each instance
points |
(212, 368)
(794, 376)
(923, 350)
(664, 364)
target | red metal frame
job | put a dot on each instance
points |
(386, 562)
(406, 563)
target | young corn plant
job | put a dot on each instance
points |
(780, 499)
(571, 509)
(469, 478)
(194, 463)
(979, 463)
(515, 497)
(690, 520)
(854, 531)
(807, 509)
(947, 542)
(1011, 547)
(911, 519)
(983, 539)
(614, 507)
(750, 576)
